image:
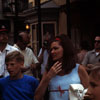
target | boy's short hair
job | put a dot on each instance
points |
(15, 55)
(95, 71)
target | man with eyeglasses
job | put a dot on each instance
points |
(93, 57)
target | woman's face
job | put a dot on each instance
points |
(56, 51)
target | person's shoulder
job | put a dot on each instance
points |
(31, 78)
(83, 76)
(11, 48)
(81, 68)
(4, 79)
(27, 76)
(91, 51)
(16, 46)
(29, 49)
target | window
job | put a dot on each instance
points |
(42, 1)
(31, 3)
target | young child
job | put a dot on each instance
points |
(93, 92)
(17, 86)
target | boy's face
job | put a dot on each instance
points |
(14, 68)
(94, 88)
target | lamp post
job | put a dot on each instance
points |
(16, 21)
(39, 22)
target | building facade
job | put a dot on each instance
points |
(79, 19)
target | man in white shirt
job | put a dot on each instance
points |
(5, 48)
(30, 59)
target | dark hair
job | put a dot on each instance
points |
(69, 53)
(14, 55)
(19, 37)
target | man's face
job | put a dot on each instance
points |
(94, 89)
(22, 45)
(25, 41)
(97, 42)
(3, 38)
(14, 68)
(26, 38)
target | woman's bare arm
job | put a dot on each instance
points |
(40, 91)
(83, 76)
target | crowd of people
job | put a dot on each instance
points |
(59, 66)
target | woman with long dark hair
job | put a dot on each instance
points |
(61, 70)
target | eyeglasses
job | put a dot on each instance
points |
(98, 41)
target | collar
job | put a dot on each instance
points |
(93, 51)
(15, 45)
(97, 53)
(7, 47)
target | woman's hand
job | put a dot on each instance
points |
(55, 69)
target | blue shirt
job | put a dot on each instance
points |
(21, 89)
(59, 85)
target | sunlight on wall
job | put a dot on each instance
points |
(32, 3)
(42, 1)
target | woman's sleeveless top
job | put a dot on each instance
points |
(59, 85)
